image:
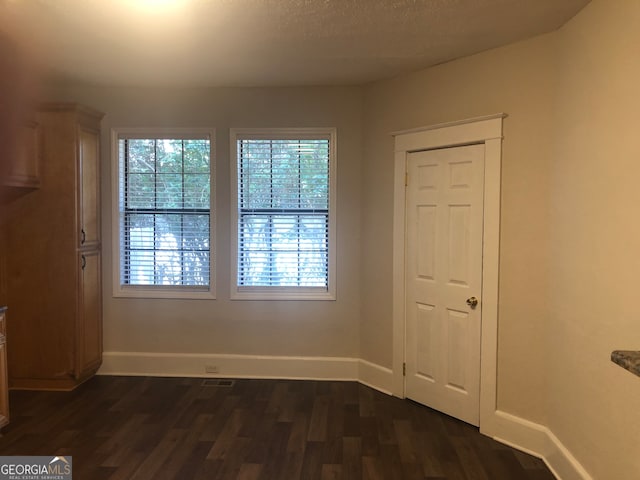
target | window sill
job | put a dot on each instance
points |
(281, 294)
(164, 293)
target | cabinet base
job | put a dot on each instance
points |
(52, 384)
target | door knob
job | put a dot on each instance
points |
(472, 302)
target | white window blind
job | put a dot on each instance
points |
(283, 212)
(164, 205)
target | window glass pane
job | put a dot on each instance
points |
(283, 212)
(254, 249)
(169, 156)
(196, 156)
(196, 233)
(196, 191)
(165, 213)
(138, 259)
(140, 190)
(141, 156)
(255, 176)
(169, 191)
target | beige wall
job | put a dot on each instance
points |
(516, 80)
(595, 236)
(569, 229)
(222, 326)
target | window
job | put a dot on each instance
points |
(164, 221)
(284, 204)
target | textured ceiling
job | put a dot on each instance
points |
(272, 42)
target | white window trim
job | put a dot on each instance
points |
(283, 293)
(160, 291)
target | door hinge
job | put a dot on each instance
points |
(404, 369)
(406, 179)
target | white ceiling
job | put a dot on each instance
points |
(272, 42)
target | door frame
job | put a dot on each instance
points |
(481, 130)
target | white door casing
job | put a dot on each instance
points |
(443, 272)
(486, 131)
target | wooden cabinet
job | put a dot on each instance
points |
(89, 334)
(4, 389)
(23, 167)
(53, 284)
(89, 187)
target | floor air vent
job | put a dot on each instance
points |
(218, 382)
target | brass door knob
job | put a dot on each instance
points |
(472, 302)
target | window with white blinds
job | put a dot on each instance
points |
(284, 205)
(164, 211)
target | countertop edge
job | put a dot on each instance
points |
(627, 359)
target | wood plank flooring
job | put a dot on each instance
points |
(140, 428)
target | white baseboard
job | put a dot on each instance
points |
(539, 441)
(375, 376)
(563, 463)
(246, 366)
(236, 366)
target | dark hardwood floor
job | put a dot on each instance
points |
(176, 428)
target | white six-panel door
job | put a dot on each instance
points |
(444, 219)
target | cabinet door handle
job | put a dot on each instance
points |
(83, 236)
(84, 262)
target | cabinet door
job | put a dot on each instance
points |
(4, 376)
(24, 165)
(4, 384)
(89, 334)
(89, 197)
